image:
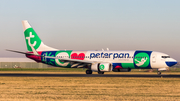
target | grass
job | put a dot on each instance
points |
(89, 88)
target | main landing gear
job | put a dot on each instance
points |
(159, 73)
(99, 72)
(88, 71)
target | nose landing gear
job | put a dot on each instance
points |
(161, 69)
(159, 73)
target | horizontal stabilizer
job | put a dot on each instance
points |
(22, 52)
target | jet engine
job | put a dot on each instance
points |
(103, 67)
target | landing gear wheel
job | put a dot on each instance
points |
(88, 71)
(159, 73)
(100, 72)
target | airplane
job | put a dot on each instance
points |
(95, 61)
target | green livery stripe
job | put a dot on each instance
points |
(128, 65)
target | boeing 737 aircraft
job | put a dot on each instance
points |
(94, 61)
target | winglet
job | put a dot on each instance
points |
(34, 51)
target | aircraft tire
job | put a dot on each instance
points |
(159, 73)
(99, 72)
(88, 71)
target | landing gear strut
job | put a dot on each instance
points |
(159, 73)
(88, 71)
(99, 72)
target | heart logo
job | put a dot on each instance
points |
(76, 56)
(118, 67)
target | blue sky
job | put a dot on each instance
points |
(93, 24)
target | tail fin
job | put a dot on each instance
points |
(32, 39)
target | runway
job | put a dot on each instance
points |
(85, 75)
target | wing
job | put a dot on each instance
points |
(71, 60)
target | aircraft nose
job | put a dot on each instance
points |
(171, 62)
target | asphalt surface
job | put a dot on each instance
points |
(85, 75)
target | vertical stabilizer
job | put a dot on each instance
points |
(33, 40)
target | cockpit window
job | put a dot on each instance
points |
(165, 56)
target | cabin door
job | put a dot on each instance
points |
(154, 58)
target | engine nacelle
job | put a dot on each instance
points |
(103, 67)
(122, 70)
